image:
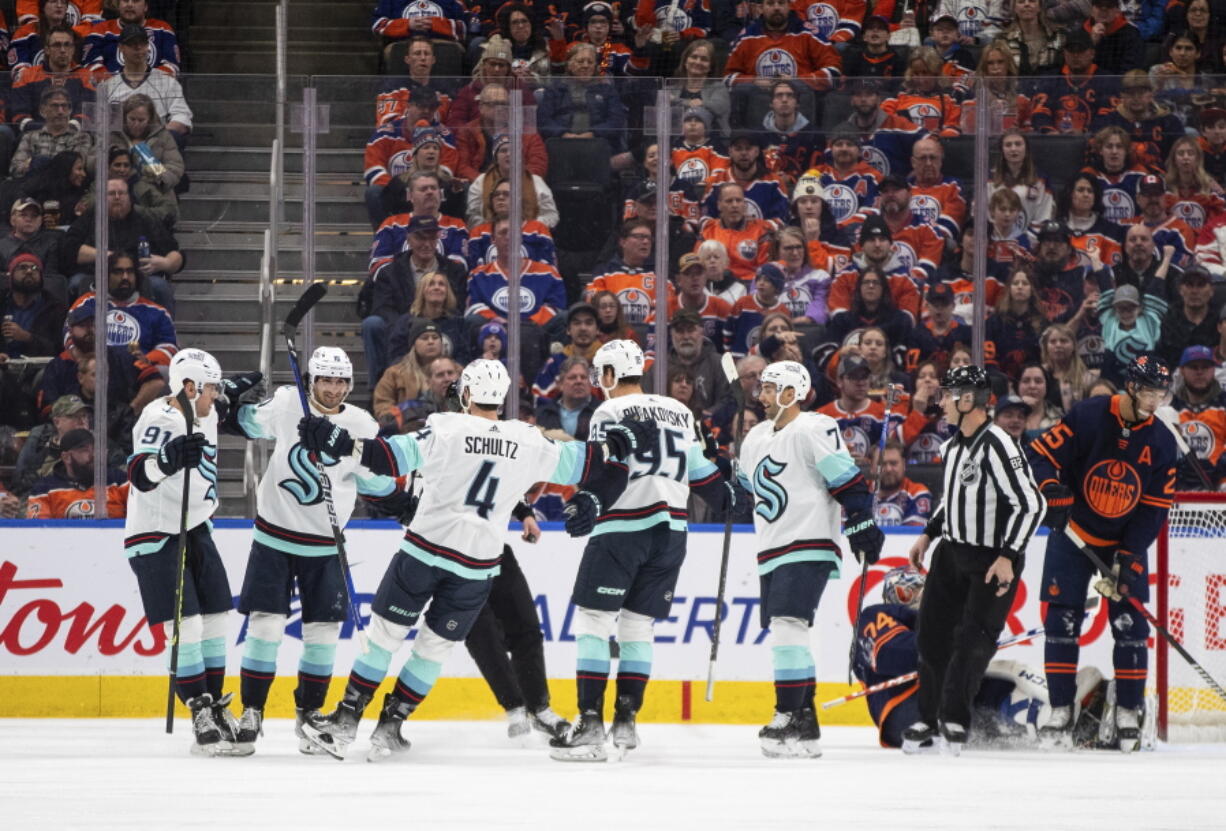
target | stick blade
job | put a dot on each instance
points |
(728, 364)
(313, 294)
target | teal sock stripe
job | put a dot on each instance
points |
(593, 654)
(419, 674)
(792, 663)
(635, 658)
(214, 652)
(373, 663)
(317, 658)
(191, 661)
(260, 655)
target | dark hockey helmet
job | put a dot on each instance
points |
(965, 378)
(1149, 372)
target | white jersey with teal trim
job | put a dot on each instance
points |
(290, 512)
(153, 515)
(476, 471)
(659, 485)
(791, 473)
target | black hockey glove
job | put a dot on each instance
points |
(1129, 572)
(235, 388)
(181, 452)
(451, 399)
(320, 435)
(581, 512)
(628, 435)
(864, 536)
(1059, 502)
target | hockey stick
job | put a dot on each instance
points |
(309, 298)
(890, 391)
(186, 405)
(738, 395)
(1140, 607)
(1003, 643)
(1167, 416)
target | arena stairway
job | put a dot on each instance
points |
(224, 215)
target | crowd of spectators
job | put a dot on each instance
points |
(64, 60)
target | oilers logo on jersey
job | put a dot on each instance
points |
(673, 18)
(856, 439)
(772, 497)
(747, 248)
(926, 207)
(1118, 205)
(821, 20)
(1200, 438)
(153, 54)
(419, 9)
(925, 114)
(636, 305)
(80, 509)
(527, 300)
(925, 450)
(121, 328)
(842, 202)
(970, 20)
(776, 62)
(1190, 212)
(400, 162)
(1112, 488)
(905, 255)
(693, 169)
(873, 156)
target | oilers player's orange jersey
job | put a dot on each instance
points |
(748, 247)
(939, 114)
(635, 289)
(792, 55)
(697, 164)
(832, 21)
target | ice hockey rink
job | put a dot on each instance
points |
(128, 774)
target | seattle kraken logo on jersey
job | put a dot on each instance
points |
(208, 469)
(772, 497)
(306, 486)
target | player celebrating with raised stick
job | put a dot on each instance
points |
(478, 468)
(630, 564)
(802, 477)
(164, 450)
(990, 508)
(293, 539)
(1108, 471)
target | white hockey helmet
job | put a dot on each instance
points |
(624, 357)
(193, 365)
(330, 362)
(485, 381)
(784, 374)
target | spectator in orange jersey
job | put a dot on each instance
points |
(68, 491)
(897, 500)
(746, 240)
(876, 252)
(695, 155)
(1196, 197)
(777, 46)
(957, 62)
(918, 246)
(935, 197)
(871, 305)
(924, 100)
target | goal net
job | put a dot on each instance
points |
(1191, 602)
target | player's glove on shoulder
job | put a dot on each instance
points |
(235, 388)
(581, 511)
(181, 452)
(628, 435)
(320, 435)
(864, 537)
(1059, 502)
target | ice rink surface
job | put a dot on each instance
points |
(128, 774)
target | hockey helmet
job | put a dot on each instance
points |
(1149, 372)
(330, 362)
(624, 357)
(970, 378)
(193, 365)
(902, 585)
(785, 374)
(485, 382)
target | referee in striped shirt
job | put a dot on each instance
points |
(990, 509)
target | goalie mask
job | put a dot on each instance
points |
(194, 365)
(903, 586)
(484, 382)
(329, 362)
(624, 357)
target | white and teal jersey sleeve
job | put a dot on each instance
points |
(290, 511)
(791, 474)
(154, 514)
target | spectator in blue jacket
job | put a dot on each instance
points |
(582, 105)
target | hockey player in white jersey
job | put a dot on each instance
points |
(631, 562)
(801, 476)
(478, 468)
(293, 540)
(162, 450)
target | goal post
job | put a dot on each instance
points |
(1190, 578)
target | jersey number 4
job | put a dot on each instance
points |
(483, 490)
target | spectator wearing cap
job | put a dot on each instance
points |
(477, 138)
(493, 67)
(1165, 228)
(935, 337)
(32, 317)
(434, 301)
(849, 183)
(68, 491)
(828, 247)
(746, 239)
(103, 44)
(1069, 101)
(1131, 315)
(690, 349)
(884, 139)
(394, 289)
(1010, 415)
(1152, 127)
(1118, 47)
(978, 22)
(917, 243)
(390, 149)
(1059, 274)
(392, 100)
(792, 141)
(742, 329)
(401, 19)
(612, 57)
(405, 381)
(1199, 400)
(582, 334)
(425, 197)
(572, 404)
(924, 99)
(870, 56)
(42, 449)
(630, 274)
(1034, 40)
(763, 190)
(1192, 320)
(860, 418)
(57, 67)
(128, 224)
(141, 70)
(580, 104)
(935, 197)
(696, 156)
(694, 295)
(897, 500)
(28, 235)
(57, 134)
(876, 251)
(1213, 141)
(1141, 262)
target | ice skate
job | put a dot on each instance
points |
(204, 725)
(918, 738)
(519, 727)
(226, 722)
(953, 738)
(584, 742)
(304, 744)
(1057, 734)
(808, 734)
(550, 723)
(778, 739)
(386, 741)
(334, 733)
(250, 727)
(623, 733)
(1128, 728)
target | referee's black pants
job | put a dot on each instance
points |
(509, 624)
(960, 618)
